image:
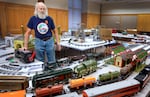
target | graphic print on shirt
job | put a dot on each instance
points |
(42, 28)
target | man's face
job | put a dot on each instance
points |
(41, 12)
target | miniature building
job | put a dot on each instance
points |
(123, 58)
(128, 56)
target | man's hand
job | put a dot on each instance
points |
(57, 47)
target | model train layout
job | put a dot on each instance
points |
(119, 89)
(80, 75)
(77, 82)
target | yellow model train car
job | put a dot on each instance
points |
(82, 82)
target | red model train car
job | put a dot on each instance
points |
(49, 91)
(118, 89)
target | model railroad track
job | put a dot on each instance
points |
(8, 69)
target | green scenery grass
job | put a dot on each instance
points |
(118, 49)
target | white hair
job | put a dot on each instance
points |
(36, 8)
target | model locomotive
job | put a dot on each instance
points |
(51, 77)
(86, 67)
(25, 56)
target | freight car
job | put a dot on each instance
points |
(109, 77)
(76, 84)
(66, 61)
(49, 91)
(51, 77)
(78, 57)
(86, 67)
(126, 71)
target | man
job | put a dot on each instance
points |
(44, 27)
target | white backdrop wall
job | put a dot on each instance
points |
(93, 7)
(126, 8)
(113, 8)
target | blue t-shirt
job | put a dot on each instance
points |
(42, 27)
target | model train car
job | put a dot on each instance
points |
(66, 61)
(109, 77)
(49, 90)
(81, 83)
(86, 67)
(126, 71)
(51, 77)
(118, 89)
(25, 56)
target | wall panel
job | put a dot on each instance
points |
(128, 22)
(53, 14)
(93, 20)
(143, 22)
(120, 22)
(14, 18)
(3, 23)
(62, 20)
(111, 21)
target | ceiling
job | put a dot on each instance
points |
(119, 1)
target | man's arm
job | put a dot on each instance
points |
(57, 40)
(26, 38)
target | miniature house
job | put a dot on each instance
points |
(123, 58)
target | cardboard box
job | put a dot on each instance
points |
(105, 33)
